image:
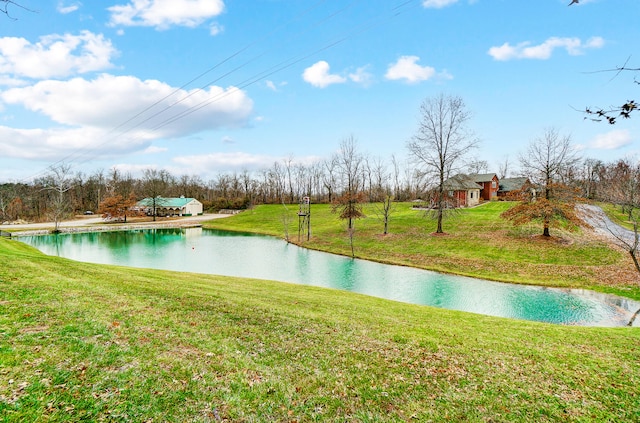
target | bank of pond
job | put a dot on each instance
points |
(244, 255)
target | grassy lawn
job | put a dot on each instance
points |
(84, 342)
(478, 243)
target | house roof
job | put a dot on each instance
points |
(460, 182)
(166, 202)
(512, 184)
(483, 177)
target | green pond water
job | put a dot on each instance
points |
(227, 253)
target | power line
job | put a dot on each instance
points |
(379, 20)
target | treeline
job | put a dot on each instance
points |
(285, 181)
(62, 193)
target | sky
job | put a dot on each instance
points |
(201, 87)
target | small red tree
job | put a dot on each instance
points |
(552, 211)
(547, 162)
(117, 207)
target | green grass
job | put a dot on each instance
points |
(478, 243)
(85, 342)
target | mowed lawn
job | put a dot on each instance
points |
(83, 342)
(478, 242)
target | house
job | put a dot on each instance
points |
(508, 185)
(171, 206)
(489, 183)
(463, 191)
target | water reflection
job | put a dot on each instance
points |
(245, 255)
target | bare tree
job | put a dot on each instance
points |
(155, 184)
(381, 193)
(503, 168)
(589, 178)
(350, 162)
(349, 204)
(476, 166)
(441, 143)
(59, 182)
(329, 179)
(548, 158)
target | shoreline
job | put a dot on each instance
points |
(93, 225)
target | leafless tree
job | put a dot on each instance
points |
(350, 162)
(441, 142)
(330, 177)
(349, 204)
(503, 168)
(59, 183)
(478, 166)
(381, 193)
(548, 158)
(155, 185)
(590, 177)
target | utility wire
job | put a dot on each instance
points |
(367, 26)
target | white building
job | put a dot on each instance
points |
(171, 206)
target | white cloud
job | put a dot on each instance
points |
(88, 112)
(437, 4)
(227, 140)
(361, 76)
(152, 149)
(56, 143)
(274, 86)
(55, 56)
(612, 140)
(318, 75)
(68, 8)
(121, 97)
(407, 69)
(573, 46)
(215, 29)
(163, 14)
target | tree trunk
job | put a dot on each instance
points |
(439, 229)
(632, 252)
(440, 212)
(353, 253)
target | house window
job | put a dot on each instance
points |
(493, 184)
(471, 194)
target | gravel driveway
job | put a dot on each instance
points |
(596, 217)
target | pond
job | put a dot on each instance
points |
(253, 256)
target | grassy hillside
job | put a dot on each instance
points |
(84, 342)
(478, 243)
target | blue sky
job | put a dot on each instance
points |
(199, 87)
